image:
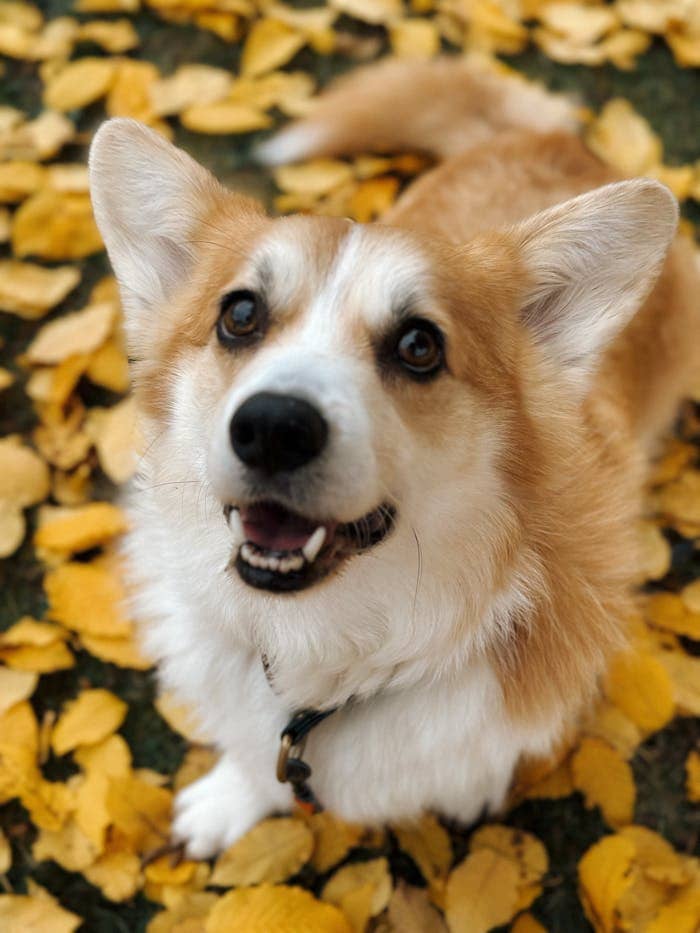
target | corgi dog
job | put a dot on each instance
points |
(392, 470)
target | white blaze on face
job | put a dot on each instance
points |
(339, 304)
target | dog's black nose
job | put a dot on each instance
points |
(277, 432)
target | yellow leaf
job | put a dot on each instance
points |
(692, 780)
(30, 632)
(272, 851)
(685, 676)
(604, 875)
(428, 844)
(19, 179)
(656, 857)
(41, 660)
(317, 177)
(109, 367)
(91, 813)
(6, 378)
(140, 811)
(15, 686)
(12, 528)
(114, 432)
(186, 916)
(605, 780)
(333, 839)
(91, 717)
(690, 595)
(79, 332)
(641, 687)
(55, 225)
(679, 178)
(80, 83)
(113, 36)
(124, 652)
(526, 923)
(163, 871)
(610, 723)
(410, 911)
(668, 611)
(68, 846)
(116, 874)
(270, 44)
(681, 915)
(369, 11)
(180, 718)
(197, 762)
(129, 95)
(111, 756)
(523, 849)
(41, 138)
(414, 38)
(30, 291)
(88, 599)
(654, 552)
(269, 908)
(361, 890)
(189, 85)
(482, 892)
(372, 198)
(24, 478)
(624, 139)
(20, 913)
(685, 48)
(5, 853)
(224, 117)
(83, 528)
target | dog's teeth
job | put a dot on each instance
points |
(235, 525)
(295, 562)
(314, 544)
(247, 551)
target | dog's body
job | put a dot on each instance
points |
(506, 481)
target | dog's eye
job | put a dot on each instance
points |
(419, 348)
(241, 316)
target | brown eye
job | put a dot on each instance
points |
(241, 316)
(419, 348)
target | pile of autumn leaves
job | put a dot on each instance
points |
(108, 816)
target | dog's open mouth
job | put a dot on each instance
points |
(283, 551)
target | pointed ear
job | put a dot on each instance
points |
(148, 198)
(591, 262)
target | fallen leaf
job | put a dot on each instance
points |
(12, 528)
(361, 890)
(80, 83)
(270, 44)
(410, 911)
(30, 291)
(82, 528)
(604, 875)
(113, 36)
(116, 874)
(272, 851)
(24, 477)
(414, 38)
(89, 718)
(482, 892)
(692, 781)
(55, 225)
(316, 177)
(624, 139)
(428, 844)
(605, 780)
(15, 686)
(89, 599)
(266, 907)
(224, 117)
(189, 85)
(639, 684)
(78, 332)
(20, 913)
(115, 435)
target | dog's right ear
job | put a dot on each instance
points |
(149, 200)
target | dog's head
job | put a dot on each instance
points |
(353, 398)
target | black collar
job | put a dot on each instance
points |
(290, 765)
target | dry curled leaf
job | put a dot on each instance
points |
(605, 780)
(482, 892)
(55, 225)
(90, 718)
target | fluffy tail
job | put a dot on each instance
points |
(441, 107)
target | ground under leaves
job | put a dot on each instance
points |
(603, 836)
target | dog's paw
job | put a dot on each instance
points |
(215, 811)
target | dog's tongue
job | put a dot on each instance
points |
(275, 528)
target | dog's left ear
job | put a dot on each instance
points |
(149, 200)
(591, 262)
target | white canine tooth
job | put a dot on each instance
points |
(235, 525)
(314, 544)
(247, 551)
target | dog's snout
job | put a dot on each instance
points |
(274, 433)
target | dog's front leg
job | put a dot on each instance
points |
(213, 812)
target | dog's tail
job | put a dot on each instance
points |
(441, 107)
